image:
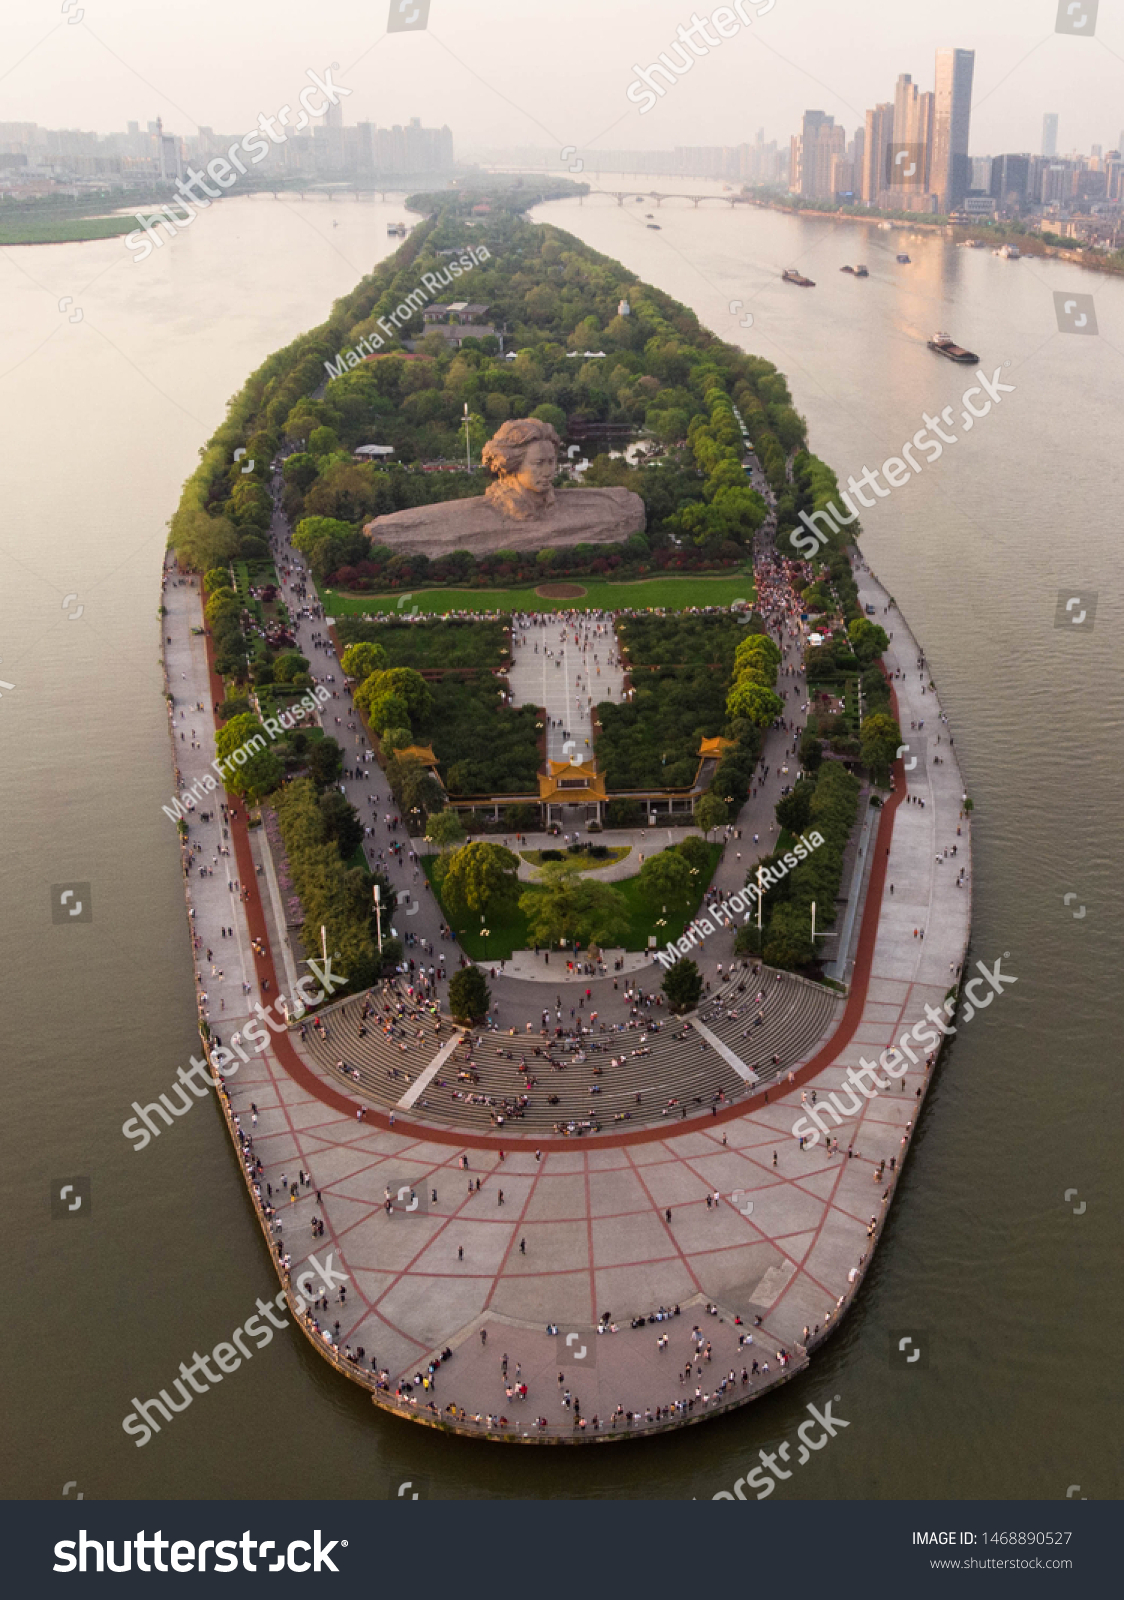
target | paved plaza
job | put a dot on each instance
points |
(725, 1216)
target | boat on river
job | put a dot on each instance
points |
(790, 275)
(944, 346)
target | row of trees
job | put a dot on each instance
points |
(319, 833)
(826, 805)
(753, 695)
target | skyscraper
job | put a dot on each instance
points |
(950, 169)
(879, 135)
(907, 171)
(1050, 134)
(810, 132)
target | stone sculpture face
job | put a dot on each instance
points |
(524, 454)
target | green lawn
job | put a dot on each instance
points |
(673, 594)
(32, 230)
(507, 931)
(617, 852)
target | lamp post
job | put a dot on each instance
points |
(378, 915)
(467, 440)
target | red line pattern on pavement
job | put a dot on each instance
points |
(297, 1069)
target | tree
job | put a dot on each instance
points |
(682, 984)
(479, 877)
(811, 751)
(325, 763)
(393, 952)
(868, 640)
(322, 442)
(251, 503)
(881, 738)
(405, 685)
(289, 666)
(202, 541)
(756, 648)
(217, 578)
(469, 995)
(564, 904)
(695, 853)
(360, 660)
(418, 789)
(794, 811)
(341, 822)
(384, 710)
(758, 704)
(444, 829)
(665, 877)
(788, 940)
(259, 771)
(710, 812)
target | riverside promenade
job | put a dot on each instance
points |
(559, 1232)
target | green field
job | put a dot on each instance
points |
(672, 594)
(507, 931)
(617, 852)
(54, 230)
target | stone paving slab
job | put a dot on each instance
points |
(606, 1245)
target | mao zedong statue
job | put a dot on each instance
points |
(519, 510)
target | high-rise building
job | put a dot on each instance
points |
(950, 172)
(1050, 135)
(809, 137)
(842, 176)
(879, 136)
(857, 152)
(1010, 180)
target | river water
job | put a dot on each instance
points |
(1014, 1289)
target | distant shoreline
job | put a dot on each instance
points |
(1029, 244)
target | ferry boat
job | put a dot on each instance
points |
(944, 346)
(904, 261)
(970, 244)
(396, 229)
(1008, 252)
(790, 275)
(856, 272)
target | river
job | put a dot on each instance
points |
(1013, 1287)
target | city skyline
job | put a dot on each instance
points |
(471, 73)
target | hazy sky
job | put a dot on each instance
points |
(543, 72)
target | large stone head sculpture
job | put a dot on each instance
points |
(524, 454)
